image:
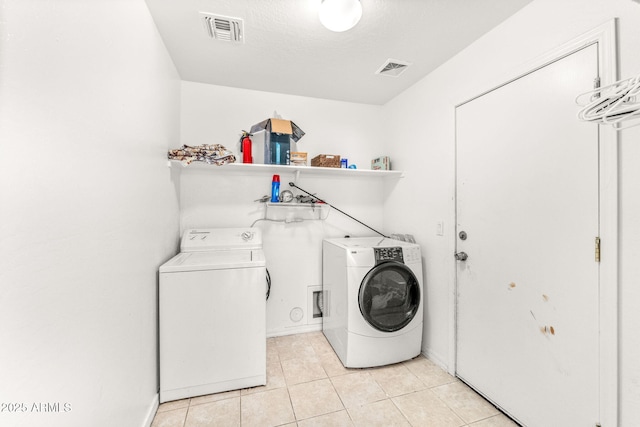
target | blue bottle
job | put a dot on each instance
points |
(275, 189)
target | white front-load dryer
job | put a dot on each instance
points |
(372, 310)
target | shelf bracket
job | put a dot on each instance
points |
(297, 176)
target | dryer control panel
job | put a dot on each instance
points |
(412, 254)
(388, 254)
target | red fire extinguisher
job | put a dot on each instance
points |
(245, 147)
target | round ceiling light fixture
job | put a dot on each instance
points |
(340, 15)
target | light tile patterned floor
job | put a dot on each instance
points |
(307, 386)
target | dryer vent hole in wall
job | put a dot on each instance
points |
(317, 304)
(316, 308)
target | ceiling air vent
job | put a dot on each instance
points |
(223, 27)
(393, 68)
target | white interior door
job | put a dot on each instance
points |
(527, 199)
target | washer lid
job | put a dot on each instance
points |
(214, 260)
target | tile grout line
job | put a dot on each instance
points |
(328, 377)
(240, 414)
(186, 414)
(402, 412)
(341, 401)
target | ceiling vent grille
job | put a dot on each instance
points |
(393, 68)
(223, 27)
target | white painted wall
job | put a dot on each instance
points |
(217, 115)
(219, 198)
(89, 104)
(90, 211)
(429, 160)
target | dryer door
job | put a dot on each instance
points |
(389, 296)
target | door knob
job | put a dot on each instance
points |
(461, 256)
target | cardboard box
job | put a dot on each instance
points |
(272, 141)
(326, 161)
(381, 163)
(298, 158)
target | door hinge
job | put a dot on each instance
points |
(596, 85)
(597, 249)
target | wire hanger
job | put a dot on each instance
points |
(612, 104)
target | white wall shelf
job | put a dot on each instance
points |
(296, 205)
(294, 212)
(243, 168)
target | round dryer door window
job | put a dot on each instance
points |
(389, 296)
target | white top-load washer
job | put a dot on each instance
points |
(372, 300)
(212, 310)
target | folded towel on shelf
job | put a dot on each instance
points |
(214, 154)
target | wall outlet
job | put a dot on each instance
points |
(440, 228)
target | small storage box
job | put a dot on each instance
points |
(326, 161)
(273, 141)
(381, 163)
(298, 158)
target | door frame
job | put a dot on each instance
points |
(604, 36)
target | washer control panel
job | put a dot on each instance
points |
(388, 254)
(212, 239)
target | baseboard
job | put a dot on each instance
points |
(437, 359)
(153, 408)
(295, 330)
